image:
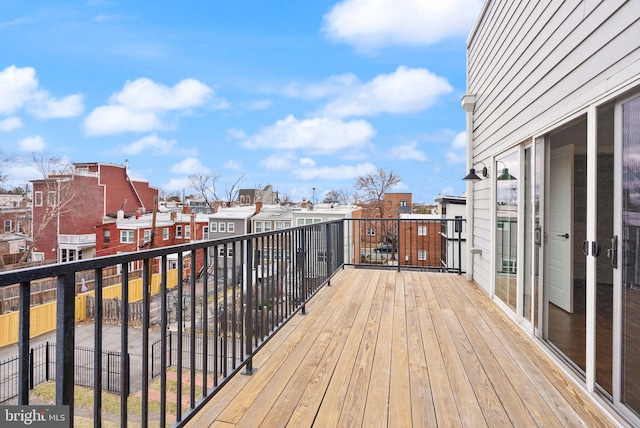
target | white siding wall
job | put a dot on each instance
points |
(533, 64)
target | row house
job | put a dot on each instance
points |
(15, 218)
(68, 205)
(139, 232)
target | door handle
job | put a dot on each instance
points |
(565, 236)
(595, 249)
(612, 252)
(585, 248)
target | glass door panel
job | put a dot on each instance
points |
(507, 229)
(630, 249)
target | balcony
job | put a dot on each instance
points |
(303, 326)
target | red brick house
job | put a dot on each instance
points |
(134, 233)
(67, 206)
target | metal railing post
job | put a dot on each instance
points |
(248, 311)
(65, 337)
(23, 343)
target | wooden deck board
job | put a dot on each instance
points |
(383, 348)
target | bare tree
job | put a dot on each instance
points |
(205, 186)
(57, 181)
(371, 187)
(340, 196)
(4, 163)
(231, 190)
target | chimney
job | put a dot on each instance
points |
(304, 203)
(258, 207)
(186, 209)
(174, 216)
(216, 206)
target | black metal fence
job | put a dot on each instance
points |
(429, 243)
(251, 285)
(42, 368)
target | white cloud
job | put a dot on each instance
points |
(371, 24)
(19, 88)
(334, 85)
(145, 95)
(457, 154)
(407, 90)
(341, 172)
(460, 140)
(307, 162)
(279, 161)
(317, 135)
(115, 119)
(51, 108)
(32, 144)
(189, 166)
(10, 123)
(151, 143)
(232, 164)
(236, 133)
(177, 184)
(142, 106)
(408, 151)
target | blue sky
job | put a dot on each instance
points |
(297, 94)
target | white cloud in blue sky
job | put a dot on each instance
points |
(372, 24)
(317, 135)
(142, 105)
(32, 144)
(10, 123)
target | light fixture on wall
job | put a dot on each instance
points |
(472, 176)
(504, 175)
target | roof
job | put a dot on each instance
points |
(234, 213)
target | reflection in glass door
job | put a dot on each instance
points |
(507, 229)
(630, 247)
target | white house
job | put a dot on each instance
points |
(553, 139)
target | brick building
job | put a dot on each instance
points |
(68, 205)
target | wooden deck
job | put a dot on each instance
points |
(387, 349)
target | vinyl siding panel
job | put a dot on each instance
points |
(532, 66)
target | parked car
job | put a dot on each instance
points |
(384, 248)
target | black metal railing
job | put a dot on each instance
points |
(432, 244)
(220, 302)
(236, 292)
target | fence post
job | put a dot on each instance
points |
(47, 362)
(31, 368)
(248, 308)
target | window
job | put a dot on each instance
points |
(51, 199)
(19, 227)
(267, 226)
(278, 225)
(7, 225)
(178, 231)
(258, 226)
(422, 254)
(287, 224)
(229, 252)
(147, 235)
(300, 222)
(231, 227)
(205, 232)
(106, 236)
(187, 232)
(371, 231)
(403, 203)
(213, 227)
(422, 230)
(38, 199)
(126, 236)
(222, 227)
(165, 233)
